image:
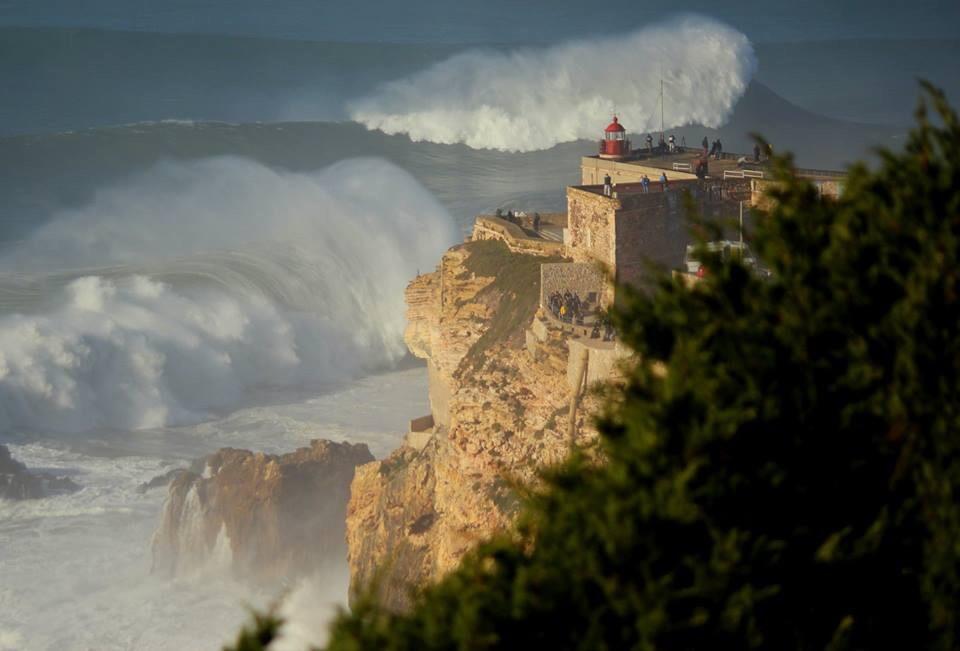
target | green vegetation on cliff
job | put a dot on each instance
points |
(517, 286)
(791, 482)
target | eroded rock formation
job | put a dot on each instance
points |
(500, 413)
(19, 483)
(265, 517)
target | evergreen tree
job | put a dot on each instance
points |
(780, 470)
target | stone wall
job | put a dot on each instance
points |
(582, 278)
(589, 235)
(827, 187)
(603, 360)
(633, 229)
(652, 232)
(592, 171)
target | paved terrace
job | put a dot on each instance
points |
(684, 160)
(628, 194)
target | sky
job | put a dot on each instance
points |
(457, 21)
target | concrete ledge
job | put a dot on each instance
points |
(516, 239)
(533, 345)
(576, 331)
(539, 329)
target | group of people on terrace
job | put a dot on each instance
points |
(603, 326)
(668, 146)
(520, 218)
(716, 149)
(568, 307)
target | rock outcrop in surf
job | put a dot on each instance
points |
(263, 517)
(19, 483)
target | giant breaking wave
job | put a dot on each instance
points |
(529, 99)
(182, 291)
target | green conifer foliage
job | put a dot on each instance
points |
(789, 482)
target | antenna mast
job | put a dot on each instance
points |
(661, 107)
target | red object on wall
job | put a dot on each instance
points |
(614, 143)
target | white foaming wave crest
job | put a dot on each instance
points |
(530, 99)
(194, 284)
(10, 640)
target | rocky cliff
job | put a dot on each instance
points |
(501, 411)
(264, 517)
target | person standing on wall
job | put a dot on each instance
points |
(650, 144)
(645, 183)
(664, 183)
(607, 186)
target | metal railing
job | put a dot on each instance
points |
(742, 174)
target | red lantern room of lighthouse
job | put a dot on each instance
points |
(614, 143)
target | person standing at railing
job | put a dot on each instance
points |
(719, 149)
(645, 184)
(702, 169)
(664, 183)
(650, 144)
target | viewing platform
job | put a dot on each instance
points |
(682, 164)
(520, 236)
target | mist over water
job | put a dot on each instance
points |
(528, 99)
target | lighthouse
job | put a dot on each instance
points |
(614, 144)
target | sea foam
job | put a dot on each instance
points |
(174, 295)
(529, 99)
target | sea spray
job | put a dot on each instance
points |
(529, 99)
(173, 296)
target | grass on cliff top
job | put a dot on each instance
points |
(516, 282)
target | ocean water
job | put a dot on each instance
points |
(204, 241)
(76, 568)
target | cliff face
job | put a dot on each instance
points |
(265, 517)
(500, 412)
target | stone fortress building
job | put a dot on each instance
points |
(625, 225)
(616, 227)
